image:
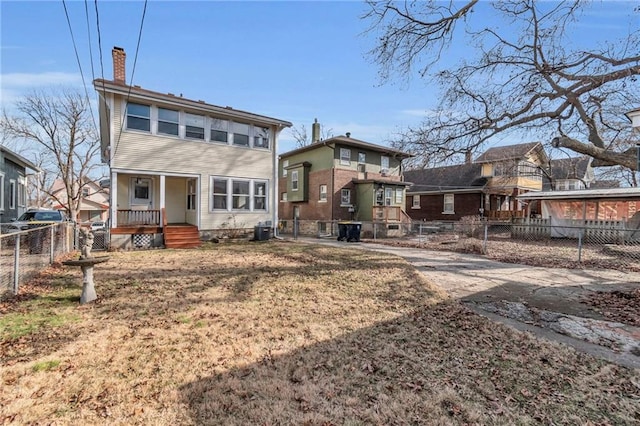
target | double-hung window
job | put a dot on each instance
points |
(219, 130)
(241, 134)
(191, 194)
(194, 126)
(231, 194)
(168, 121)
(398, 196)
(323, 193)
(415, 202)
(12, 194)
(294, 180)
(240, 195)
(448, 204)
(22, 192)
(388, 195)
(345, 197)
(285, 164)
(345, 156)
(139, 117)
(259, 195)
(260, 137)
(219, 194)
(1, 191)
(384, 164)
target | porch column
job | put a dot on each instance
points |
(113, 202)
(162, 199)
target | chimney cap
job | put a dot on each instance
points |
(118, 48)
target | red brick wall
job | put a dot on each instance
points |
(431, 207)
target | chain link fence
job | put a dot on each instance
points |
(600, 244)
(24, 254)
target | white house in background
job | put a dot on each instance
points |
(634, 116)
(182, 166)
(94, 202)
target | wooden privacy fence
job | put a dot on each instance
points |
(602, 231)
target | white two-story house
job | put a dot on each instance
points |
(182, 167)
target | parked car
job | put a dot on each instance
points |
(98, 226)
(35, 218)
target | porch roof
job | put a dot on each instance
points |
(580, 194)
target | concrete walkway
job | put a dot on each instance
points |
(543, 301)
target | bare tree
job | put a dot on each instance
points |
(525, 82)
(58, 128)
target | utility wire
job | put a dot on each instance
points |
(133, 71)
(84, 84)
(86, 14)
(107, 112)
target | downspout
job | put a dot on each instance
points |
(275, 197)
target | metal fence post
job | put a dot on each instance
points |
(16, 265)
(51, 246)
(486, 236)
(580, 245)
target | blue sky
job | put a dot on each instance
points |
(293, 60)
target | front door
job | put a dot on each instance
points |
(141, 194)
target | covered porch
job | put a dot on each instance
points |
(144, 206)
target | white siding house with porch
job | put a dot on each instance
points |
(177, 162)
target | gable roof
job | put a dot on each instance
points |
(136, 92)
(349, 141)
(18, 159)
(448, 178)
(570, 168)
(509, 152)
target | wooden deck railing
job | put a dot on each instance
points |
(139, 217)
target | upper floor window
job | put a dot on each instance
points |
(168, 121)
(345, 156)
(384, 164)
(241, 134)
(260, 137)
(22, 193)
(362, 157)
(1, 191)
(219, 130)
(85, 192)
(139, 117)
(294, 180)
(194, 126)
(285, 164)
(12, 194)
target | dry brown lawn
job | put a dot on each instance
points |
(283, 333)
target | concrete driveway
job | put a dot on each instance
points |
(543, 301)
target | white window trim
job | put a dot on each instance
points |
(444, 206)
(229, 195)
(1, 191)
(12, 193)
(345, 160)
(384, 159)
(295, 178)
(150, 118)
(415, 205)
(285, 164)
(320, 198)
(342, 203)
(398, 191)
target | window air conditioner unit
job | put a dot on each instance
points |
(384, 172)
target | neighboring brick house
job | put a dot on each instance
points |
(13, 182)
(183, 169)
(342, 178)
(487, 187)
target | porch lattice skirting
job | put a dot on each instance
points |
(142, 240)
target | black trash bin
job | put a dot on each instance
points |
(261, 233)
(349, 231)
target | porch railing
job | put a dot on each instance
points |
(139, 217)
(387, 213)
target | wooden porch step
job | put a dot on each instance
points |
(181, 236)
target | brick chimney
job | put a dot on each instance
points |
(315, 131)
(119, 59)
(468, 158)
